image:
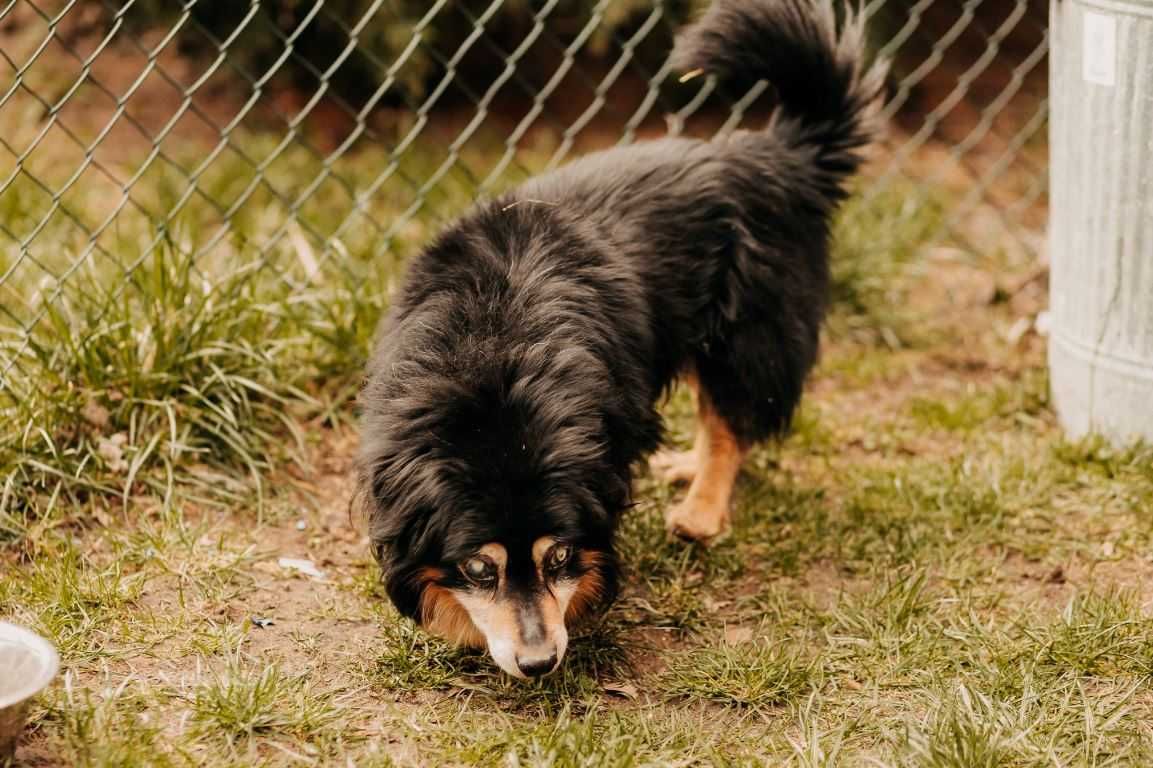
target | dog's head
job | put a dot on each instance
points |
(492, 499)
(517, 599)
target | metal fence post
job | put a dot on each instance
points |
(1101, 222)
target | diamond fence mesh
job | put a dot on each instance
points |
(293, 151)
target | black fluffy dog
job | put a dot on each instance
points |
(514, 384)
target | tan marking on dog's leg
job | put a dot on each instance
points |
(704, 513)
(680, 467)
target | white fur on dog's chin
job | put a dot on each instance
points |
(504, 654)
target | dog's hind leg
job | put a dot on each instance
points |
(704, 513)
(748, 385)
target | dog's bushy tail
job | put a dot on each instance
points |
(821, 74)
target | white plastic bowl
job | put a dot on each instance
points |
(28, 663)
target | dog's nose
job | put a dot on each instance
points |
(538, 665)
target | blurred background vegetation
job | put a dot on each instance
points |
(359, 45)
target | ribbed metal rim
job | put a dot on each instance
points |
(49, 663)
(1130, 7)
(1101, 359)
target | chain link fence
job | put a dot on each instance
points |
(293, 151)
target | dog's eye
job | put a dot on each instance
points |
(479, 570)
(559, 555)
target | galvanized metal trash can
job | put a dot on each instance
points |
(1101, 217)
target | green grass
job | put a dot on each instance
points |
(113, 727)
(183, 355)
(757, 674)
(925, 574)
(77, 601)
(879, 238)
(982, 406)
(596, 738)
(246, 701)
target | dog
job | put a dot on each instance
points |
(514, 384)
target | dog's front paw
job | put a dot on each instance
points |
(675, 467)
(698, 520)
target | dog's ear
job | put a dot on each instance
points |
(406, 585)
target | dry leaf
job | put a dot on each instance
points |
(624, 690)
(307, 567)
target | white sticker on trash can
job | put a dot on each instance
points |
(1099, 60)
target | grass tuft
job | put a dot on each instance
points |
(171, 382)
(413, 660)
(612, 739)
(74, 599)
(878, 238)
(969, 731)
(243, 702)
(115, 728)
(982, 407)
(760, 674)
(1098, 634)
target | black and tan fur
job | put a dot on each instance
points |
(514, 386)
